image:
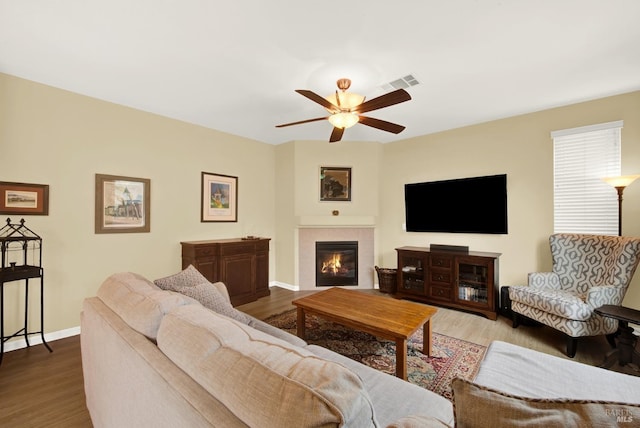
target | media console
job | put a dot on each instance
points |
(465, 280)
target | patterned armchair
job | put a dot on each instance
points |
(588, 271)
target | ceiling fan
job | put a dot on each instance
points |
(346, 109)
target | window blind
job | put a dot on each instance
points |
(582, 202)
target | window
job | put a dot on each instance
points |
(582, 202)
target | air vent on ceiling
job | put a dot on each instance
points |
(402, 83)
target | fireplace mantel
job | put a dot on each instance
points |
(337, 221)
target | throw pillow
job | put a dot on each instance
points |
(190, 282)
(185, 278)
(478, 406)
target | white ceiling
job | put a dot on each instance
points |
(234, 65)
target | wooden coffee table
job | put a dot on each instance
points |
(383, 317)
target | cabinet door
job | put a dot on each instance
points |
(262, 273)
(237, 272)
(412, 272)
(207, 267)
(203, 258)
(475, 282)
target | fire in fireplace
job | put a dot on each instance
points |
(336, 263)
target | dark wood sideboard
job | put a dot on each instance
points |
(242, 264)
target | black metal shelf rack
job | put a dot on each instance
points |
(21, 250)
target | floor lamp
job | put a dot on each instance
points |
(620, 183)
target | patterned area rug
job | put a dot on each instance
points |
(451, 357)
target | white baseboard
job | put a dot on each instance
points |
(285, 286)
(35, 339)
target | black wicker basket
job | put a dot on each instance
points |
(387, 279)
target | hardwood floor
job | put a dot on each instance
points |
(38, 388)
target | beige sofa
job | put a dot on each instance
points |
(159, 358)
(156, 358)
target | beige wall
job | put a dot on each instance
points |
(63, 139)
(298, 193)
(522, 148)
(285, 185)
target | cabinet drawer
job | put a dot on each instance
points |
(440, 293)
(443, 277)
(239, 248)
(262, 245)
(205, 251)
(441, 261)
(246, 247)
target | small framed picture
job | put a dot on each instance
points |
(219, 197)
(24, 198)
(122, 204)
(335, 183)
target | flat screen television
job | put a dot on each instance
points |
(464, 205)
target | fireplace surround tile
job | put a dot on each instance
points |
(307, 237)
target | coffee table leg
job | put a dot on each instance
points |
(426, 339)
(300, 323)
(401, 358)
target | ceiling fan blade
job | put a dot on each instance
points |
(381, 124)
(318, 99)
(396, 97)
(301, 122)
(336, 135)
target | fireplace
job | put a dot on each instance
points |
(336, 263)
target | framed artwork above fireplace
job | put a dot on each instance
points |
(335, 183)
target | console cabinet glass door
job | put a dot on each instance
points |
(475, 282)
(412, 272)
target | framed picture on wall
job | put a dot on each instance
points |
(24, 198)
(122, 204)
(219, 197)
(335, 183)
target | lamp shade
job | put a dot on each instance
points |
(621, 181)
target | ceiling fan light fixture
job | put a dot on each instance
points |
(347, 101)
(343, 120)
(345, 109)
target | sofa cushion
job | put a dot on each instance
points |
(276, 332)
(192, 283)
(507, 367)
(264, 381)
(477, 406)
(139, 302)
(209, 296)
(392, 397)
(418, 421)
